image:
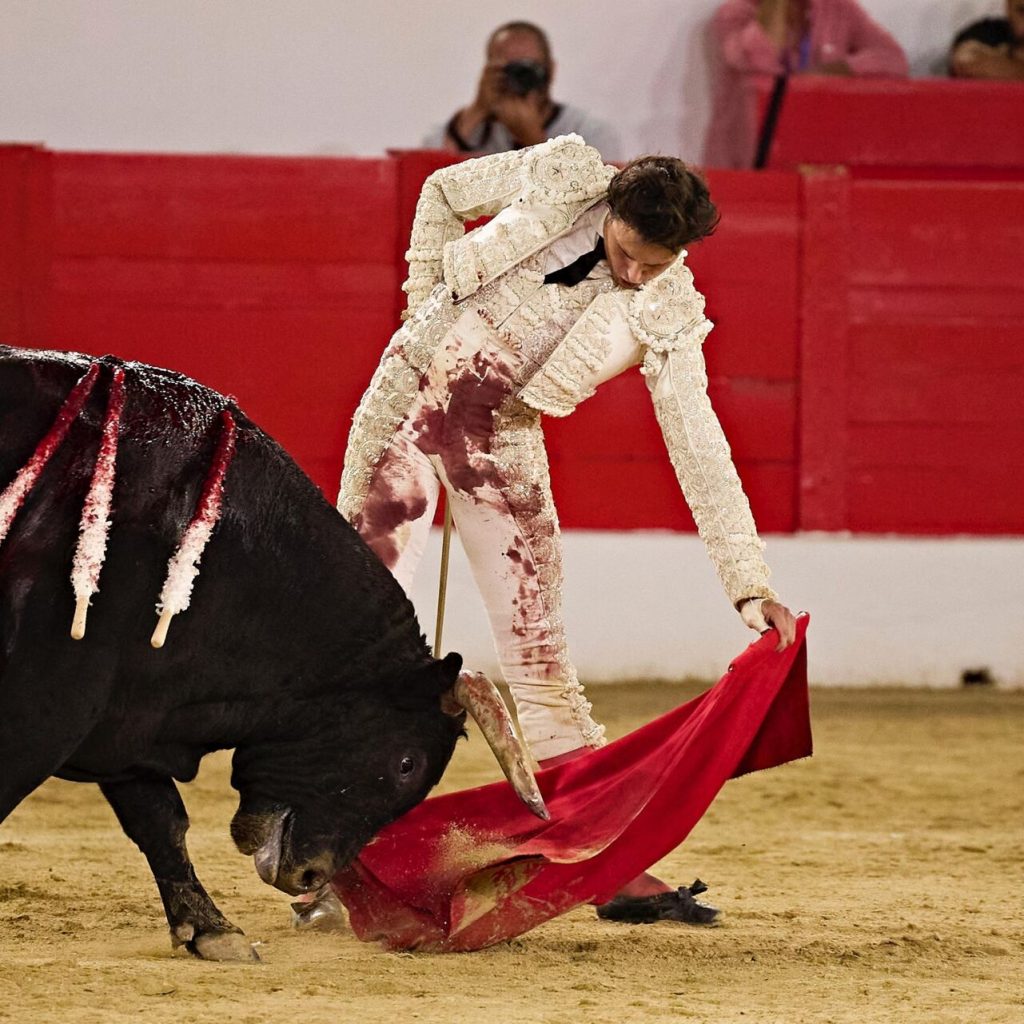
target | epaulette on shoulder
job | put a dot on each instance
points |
(669, 311)
(566, 170)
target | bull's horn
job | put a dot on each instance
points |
(479, 696)
(268, 857)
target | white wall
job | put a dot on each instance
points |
(884, 611)
(358, 76)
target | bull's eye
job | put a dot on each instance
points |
(406, 766)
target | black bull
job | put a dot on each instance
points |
(298, 650)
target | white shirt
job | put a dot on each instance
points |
(581, 239)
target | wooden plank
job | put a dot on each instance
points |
(992, 448)
(298, 374)
(939, 373)
(756, 331)
(753, 300)
(823, 380)
(933, 501)
(221, 207)
(947, 346)
(769, 193)
(194, 284)
(772, 488)
(617, 495)
(937, 234)
(759, 419)
(302, 358)
(928, 396)
(618, 422)
(12, 173)
(890, 123)
(935, 304)
(26, 243)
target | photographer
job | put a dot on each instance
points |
(513, 106)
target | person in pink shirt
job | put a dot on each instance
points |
(786, 37)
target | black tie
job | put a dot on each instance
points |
(579, 268)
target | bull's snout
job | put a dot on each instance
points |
(268, 837)
(308, 876)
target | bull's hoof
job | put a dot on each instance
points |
(323, 913)
(226, 946)
(666, 906)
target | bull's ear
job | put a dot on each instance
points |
(443, 673)
(426, 683)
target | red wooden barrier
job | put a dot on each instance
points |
(272, 279)
(867, 360)
(912, 413)
(935, 357)
(825, 373)
(25, 243)
(893, 128)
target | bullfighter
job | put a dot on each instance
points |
(579, 275)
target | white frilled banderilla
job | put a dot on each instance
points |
(94, 526)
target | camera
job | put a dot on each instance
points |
(524, 76)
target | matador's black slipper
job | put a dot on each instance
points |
(664, 906)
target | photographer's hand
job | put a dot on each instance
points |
(468, 120)
(524, 116)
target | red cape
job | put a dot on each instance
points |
(468, 869)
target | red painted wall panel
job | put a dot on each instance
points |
(866, 362)
(936, 357)
(270, 279)
(748, 273)
(897, 127)
(222, 207)
(26, 222)
(824, 269)
(610, 469)
(955, 235)
(890, 499)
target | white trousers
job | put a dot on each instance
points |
(465, 432)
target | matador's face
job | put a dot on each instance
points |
(633, 260)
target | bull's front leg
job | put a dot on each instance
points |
(153, 816)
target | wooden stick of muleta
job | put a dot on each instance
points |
(94, 527)
(17, 490)
(183, 567)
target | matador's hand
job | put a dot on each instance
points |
(783, 620)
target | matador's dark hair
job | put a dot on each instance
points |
(663, 200)
(524, 26)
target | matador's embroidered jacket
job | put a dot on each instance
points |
(534, 196)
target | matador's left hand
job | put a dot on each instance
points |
(783, 620)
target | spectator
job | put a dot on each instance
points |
(513, 105)
(787, 37)
(992, 48)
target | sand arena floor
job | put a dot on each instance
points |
(878, 881)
